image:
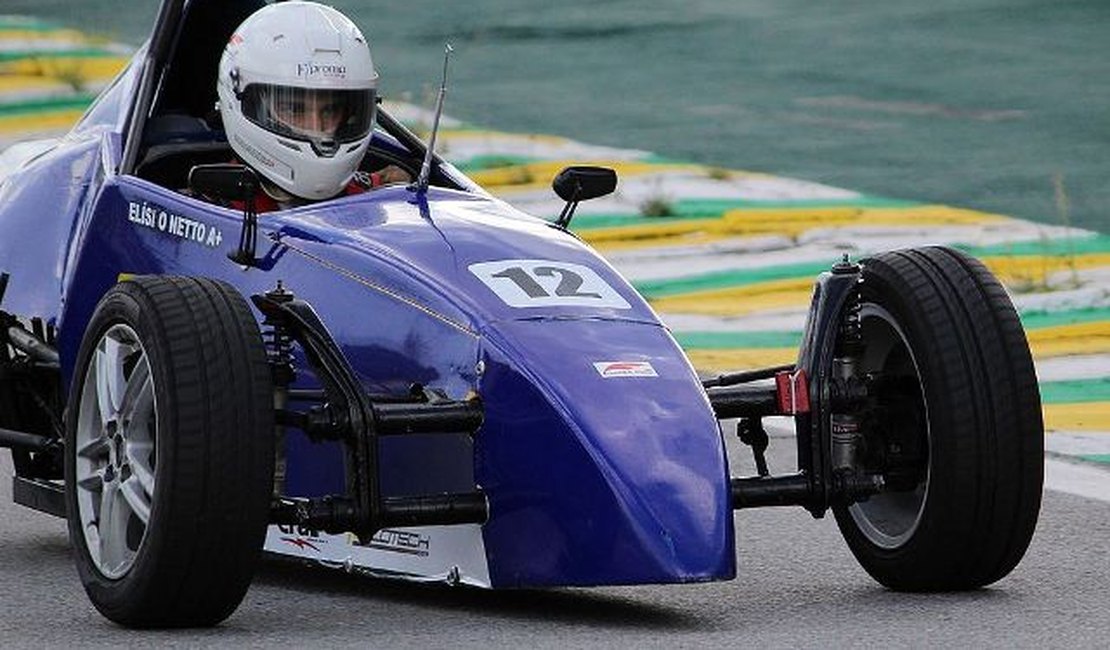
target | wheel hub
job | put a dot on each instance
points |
(115, 474)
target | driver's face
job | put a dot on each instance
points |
(312, 113)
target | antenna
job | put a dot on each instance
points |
(426, 169)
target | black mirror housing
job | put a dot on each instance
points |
(582, 183)
(226, 181)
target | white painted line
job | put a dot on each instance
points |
(1077, 443)
(1078, 479)
(1090, 366)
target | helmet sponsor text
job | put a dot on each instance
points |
(326, 70)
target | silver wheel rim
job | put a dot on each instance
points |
(115, 451)
(890, 519)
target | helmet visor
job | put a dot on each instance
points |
(324, 117)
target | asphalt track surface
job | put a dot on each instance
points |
(799, 587)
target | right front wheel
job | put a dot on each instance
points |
(169, 452)
(956, 428)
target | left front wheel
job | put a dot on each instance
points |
(169, 452)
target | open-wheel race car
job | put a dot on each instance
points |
(422, 382)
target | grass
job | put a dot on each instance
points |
(1040, 282)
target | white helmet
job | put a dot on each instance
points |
(297, 94)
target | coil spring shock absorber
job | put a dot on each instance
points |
(279, 347)
(847, 440)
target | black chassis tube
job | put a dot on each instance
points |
(363, 510)
(743, 401)
(170, 16)
(342, 386)
(27, 441)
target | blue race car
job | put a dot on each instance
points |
(422, 382)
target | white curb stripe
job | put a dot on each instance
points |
(1078, 479)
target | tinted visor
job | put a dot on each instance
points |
(325, 118)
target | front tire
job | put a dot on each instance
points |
(169, 452)
(960, 433)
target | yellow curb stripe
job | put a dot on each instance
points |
(1018, 272)
(84, 68)
(503, 181)
(52, 121)
(738, 301)
(64, 35)
(681, 239)
(1064, 340)
(1091, 416)
(1033, 270)
(22, 82)
(725, 360)
(1084, 338)
(790, 222)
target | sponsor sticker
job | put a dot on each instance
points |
(614, 369)
(304, 539)
(301, 543)
(401, 541)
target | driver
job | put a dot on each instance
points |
(298, 94)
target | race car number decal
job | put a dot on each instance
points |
(544, 283)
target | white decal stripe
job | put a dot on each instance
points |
(425, 554)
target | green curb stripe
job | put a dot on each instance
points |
(1034, 320)
(1077, 245)
(457, 127)
(1076, 391)
(494, 161)
(685, 209)
(27, 24)
(658, 159)
(76, 53)
(728, 279)
(732, 340)
(46, 105)
(1097, 458)
(743, 277)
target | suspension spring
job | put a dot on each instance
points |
(279, 347)
(846, 437)
(279, 341)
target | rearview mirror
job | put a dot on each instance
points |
(232, 182)
(227, 181)
(582, 183)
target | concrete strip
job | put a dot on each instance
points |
(1077, 443)
(1079, 479)
(1091, 366)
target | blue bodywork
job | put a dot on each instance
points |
(592, 480)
